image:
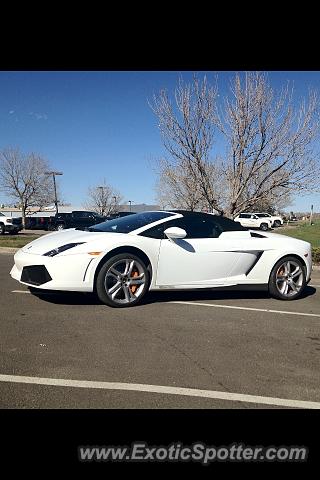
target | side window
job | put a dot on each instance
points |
(154, 232)
(196, 227)
(77, 214)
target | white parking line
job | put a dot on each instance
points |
(234, 307)
(137, 387)
(44, 292)
(20, 291)
(215, 305)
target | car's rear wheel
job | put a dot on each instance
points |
(123, 281)
(288, 279)
(2, 229)
(264, 226)
(277, 223)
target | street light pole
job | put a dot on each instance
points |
(311, 214)
(55, 187)
(130, 201)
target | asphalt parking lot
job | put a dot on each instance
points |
(213, 349)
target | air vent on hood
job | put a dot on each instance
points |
(257, 235)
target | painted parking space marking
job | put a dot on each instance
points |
(160, 389)
(234, 307)
(20, 291)
(37, 294)
(215, 305)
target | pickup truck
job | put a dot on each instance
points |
(75, 219)
(13, 225)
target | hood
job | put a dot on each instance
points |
(57, 239)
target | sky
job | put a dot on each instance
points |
(98, 125)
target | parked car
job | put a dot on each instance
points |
(119, 215)
(75, 219)
(39, 223)
(251, 220)
(12, 225)
(276, 220)
(122, 259)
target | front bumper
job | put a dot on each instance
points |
(64, 272)
(12, 228)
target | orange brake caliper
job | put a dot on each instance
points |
(133, 288)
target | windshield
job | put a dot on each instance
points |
(2, 215)
(129, 223)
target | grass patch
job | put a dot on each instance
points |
(16, 241)
(303, 231)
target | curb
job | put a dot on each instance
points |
(8, 250)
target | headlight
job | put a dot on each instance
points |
(55, 251)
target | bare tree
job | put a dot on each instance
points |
(177, 188)
(103, 199)
(22, 178)
(270, 144)
(187, 132)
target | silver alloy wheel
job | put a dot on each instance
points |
(289, 278)
(60, 227)
(124, 281)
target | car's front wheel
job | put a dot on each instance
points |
(123, 281)
(287, 279)
(2, 229)
(264, 226)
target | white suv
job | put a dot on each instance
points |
(12, 225)
(251, 220)
(276, 220)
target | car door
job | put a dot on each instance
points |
(82, 219)
(201, 258)
(246, 220)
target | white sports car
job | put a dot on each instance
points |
(122, 259)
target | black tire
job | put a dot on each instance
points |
(277, 223)
(2, 229)
(124, 296)
(264, 226)
(277, 280)
(60, 226)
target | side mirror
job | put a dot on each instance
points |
(175, 232)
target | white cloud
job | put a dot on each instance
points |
(39, 116)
